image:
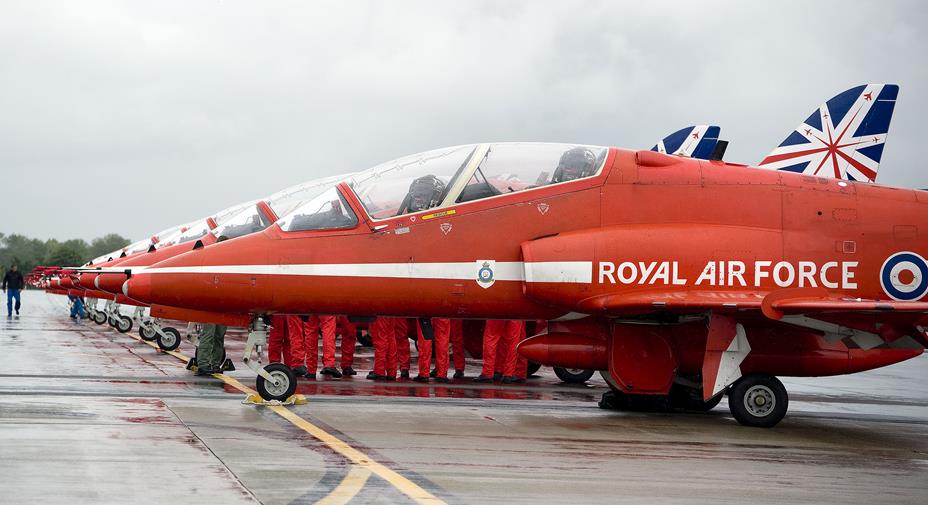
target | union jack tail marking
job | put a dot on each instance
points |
(843, 139)
(692, 142)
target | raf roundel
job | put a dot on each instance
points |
(904, 276)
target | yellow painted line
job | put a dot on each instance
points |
(406, 486)
(358, 458)
(348, 488)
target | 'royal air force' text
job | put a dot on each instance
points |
(831, 274)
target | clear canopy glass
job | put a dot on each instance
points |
(444, 177)
(246, 222)
(325, 212)
(194, 232)
(286, 201)
(141, 245)
(223, 216)
(460, 174)
(511, 167)
(386, 189)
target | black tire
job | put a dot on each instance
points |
(147, 333)
(758, 400)
(365, 341)
(690, 399)
(281, 392)
(169, 341)
(533, 368)
(123, 324)
(573, 375)
(711, 404)
(99, 317)
(614, 400)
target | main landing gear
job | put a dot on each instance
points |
(756, 400)
(275, 381)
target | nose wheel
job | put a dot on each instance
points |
(758, 400)
(168, 339)
(147, 333)
(122, 324)
(275, 381)
(98, 317)
(280, 386)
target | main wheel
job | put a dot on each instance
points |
(573, 375)
(147, 333)
(99, 317)
(170, 340)
(283, 389)
(123, 324)
(533, 368)
(758, 400)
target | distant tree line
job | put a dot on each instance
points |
(27, 252)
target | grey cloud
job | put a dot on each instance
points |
(131, 117)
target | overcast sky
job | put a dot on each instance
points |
(131, 117)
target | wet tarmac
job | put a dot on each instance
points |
(89, 415)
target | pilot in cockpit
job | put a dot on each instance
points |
(575, 163)
(424, 193)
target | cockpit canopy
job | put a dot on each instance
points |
(286, 201)
(194, 232)
(448, 176)
(141, 245)
(247, 221)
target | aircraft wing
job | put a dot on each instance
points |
(784, 302)
(866, 323)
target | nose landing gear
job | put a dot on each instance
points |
(275, 381)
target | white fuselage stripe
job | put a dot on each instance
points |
(561, 271)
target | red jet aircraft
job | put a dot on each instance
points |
(673, 276)
(235, 222)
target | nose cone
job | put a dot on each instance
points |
(138, 287)
(111, 283)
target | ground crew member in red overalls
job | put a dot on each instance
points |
(295, 350)
(312, 327)
(349, 340)
(515, 367)
(457, 348)
(278, 345)
(401, 334)
(492, 336)
(383, 331)
(441, 329)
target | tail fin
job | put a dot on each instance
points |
(843, 139)
(693, 142)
